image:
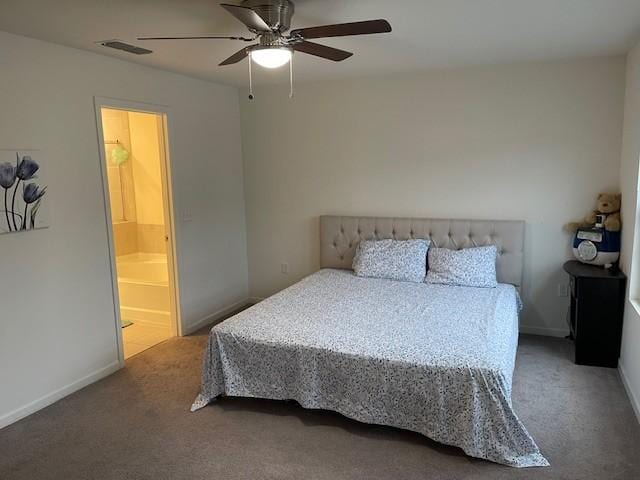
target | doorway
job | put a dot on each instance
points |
(136, 178)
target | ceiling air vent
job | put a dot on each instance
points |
(118, 45)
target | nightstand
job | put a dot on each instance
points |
(595, 314)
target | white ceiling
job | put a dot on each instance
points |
(426, 33)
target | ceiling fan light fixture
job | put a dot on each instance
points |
(271, 57)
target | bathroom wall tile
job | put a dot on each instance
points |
(126, 238)
(151, 238)
(115, 200)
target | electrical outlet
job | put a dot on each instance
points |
(563, 290)
(284, 268)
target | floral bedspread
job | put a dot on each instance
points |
(433, 359)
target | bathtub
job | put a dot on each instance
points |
(143, 287)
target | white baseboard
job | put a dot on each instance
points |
(58, 394)
(203, 322)
(635, 402)
(544, 331)
(62, 392)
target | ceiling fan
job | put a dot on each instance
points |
(268, 20)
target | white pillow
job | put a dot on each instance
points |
(404, 260)
(469, 267)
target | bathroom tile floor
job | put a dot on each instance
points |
(137, 338)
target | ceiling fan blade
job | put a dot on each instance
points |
(247, 16)
(236, 57)
(198, 37)
(323, 51)
(343, 29)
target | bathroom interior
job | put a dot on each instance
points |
(134, 153)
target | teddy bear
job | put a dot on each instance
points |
(608, 204)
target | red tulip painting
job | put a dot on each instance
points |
(23, 192)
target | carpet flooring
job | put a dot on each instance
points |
(136, 424)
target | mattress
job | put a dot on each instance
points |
(433, 359)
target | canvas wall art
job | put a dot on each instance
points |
(23, 191)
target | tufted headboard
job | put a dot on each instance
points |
(339, 237)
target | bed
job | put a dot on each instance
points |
(433, 359)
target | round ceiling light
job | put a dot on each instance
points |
(271, 57)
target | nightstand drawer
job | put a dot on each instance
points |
(595, 313)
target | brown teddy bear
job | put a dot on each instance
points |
(608, 204)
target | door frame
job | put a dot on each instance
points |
(168, 207)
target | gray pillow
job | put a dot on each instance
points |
(469, 267)
(404, 260)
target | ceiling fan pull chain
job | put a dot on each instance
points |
(291, 77)
(250, 79)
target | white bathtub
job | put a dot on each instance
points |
(143, 287)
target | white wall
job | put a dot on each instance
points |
(630, 355)
(533, 142)
(57, 328)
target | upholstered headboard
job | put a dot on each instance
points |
(339, 237)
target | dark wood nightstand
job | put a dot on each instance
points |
(595, 316)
